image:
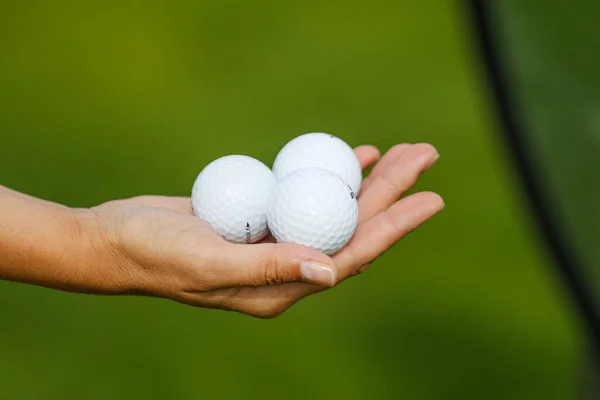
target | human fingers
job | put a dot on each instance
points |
(267, 264)
(367, 155)
(375, 237)
(399, 176)
(381, 232)
(388, 158)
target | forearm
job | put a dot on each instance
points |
(41, 243)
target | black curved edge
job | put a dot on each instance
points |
(515, 137)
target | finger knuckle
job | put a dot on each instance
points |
(394, 226)
(361, 269)
(273, 272)
(393, 185)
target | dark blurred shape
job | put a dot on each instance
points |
(541, 61)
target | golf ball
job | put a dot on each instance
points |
(319, 150)
(315, 208)
(231, 194)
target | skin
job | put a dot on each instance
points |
(155, 246)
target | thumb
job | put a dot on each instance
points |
(269, 264)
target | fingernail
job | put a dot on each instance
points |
(317, 273)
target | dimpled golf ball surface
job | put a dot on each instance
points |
(315, 208)
(231, 194)
(319, 150)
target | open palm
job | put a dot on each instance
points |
(176, 255)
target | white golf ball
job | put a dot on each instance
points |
(315, 208)
(319, 150)
(231, 194)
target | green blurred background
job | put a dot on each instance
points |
(116, 99)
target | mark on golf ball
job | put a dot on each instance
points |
(352, 195)
(248, 233)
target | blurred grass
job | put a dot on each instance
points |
(101, 101)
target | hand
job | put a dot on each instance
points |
(159, 248)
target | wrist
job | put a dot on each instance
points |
(77, 256)
(47, 244)
(107, 269)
